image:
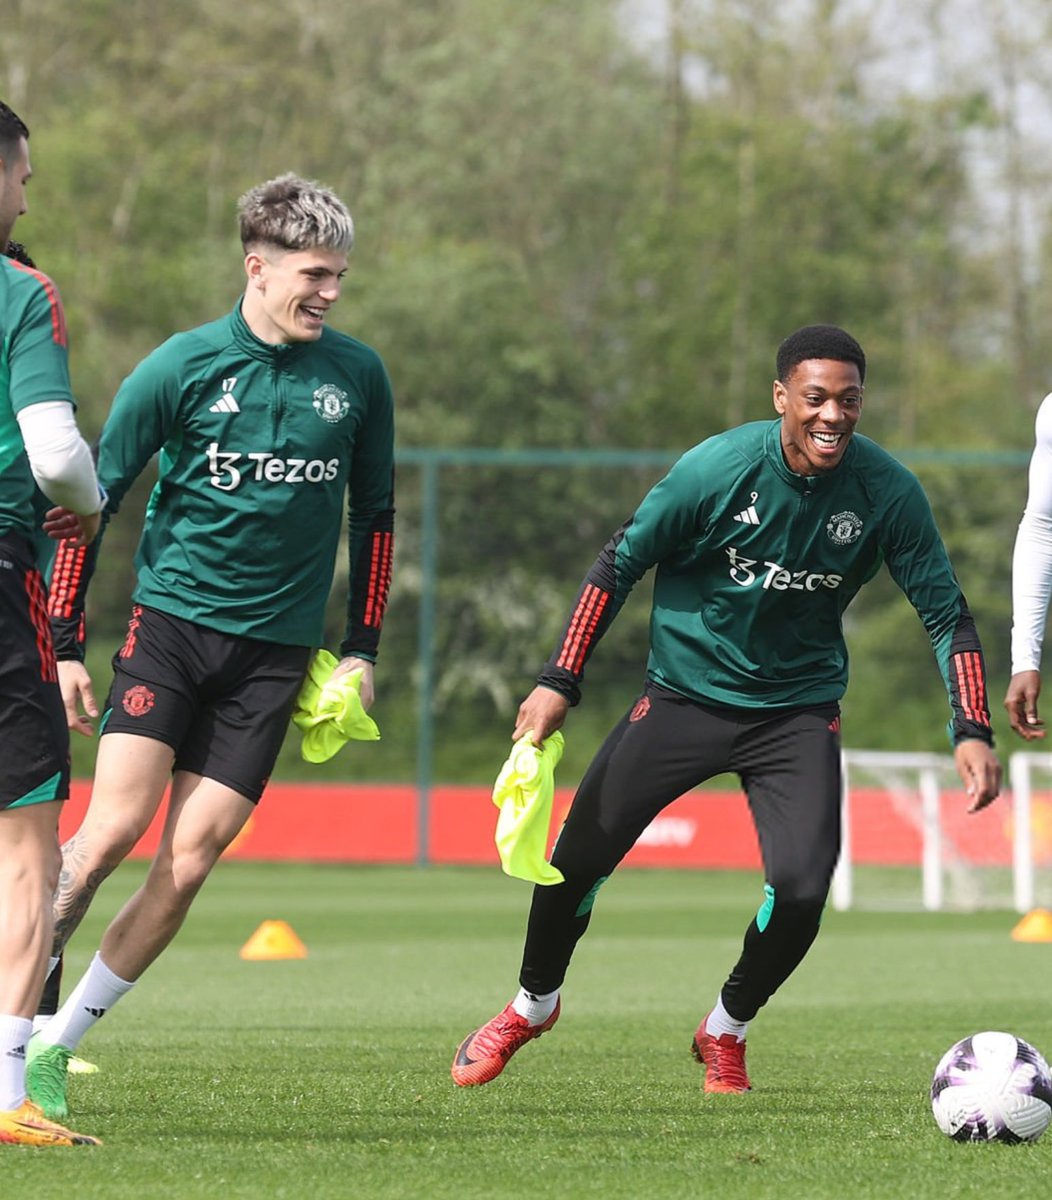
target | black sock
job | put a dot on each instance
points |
(49, 999)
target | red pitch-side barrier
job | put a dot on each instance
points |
(377, 823)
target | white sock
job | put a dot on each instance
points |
(14, 1033)
(96, 993)
(535, 1008)
(720, 1021)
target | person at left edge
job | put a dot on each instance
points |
(45, 546)
(42, 454)
(266, 421)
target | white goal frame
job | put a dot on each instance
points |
(1020, 779)
(926, 770)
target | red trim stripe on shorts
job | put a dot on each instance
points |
(128, 649)
(38, 615)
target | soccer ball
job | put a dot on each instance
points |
(992, 1087)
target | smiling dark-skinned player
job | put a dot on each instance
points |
(760, 538)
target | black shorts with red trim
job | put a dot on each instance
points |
(34, 737)
(221, 701)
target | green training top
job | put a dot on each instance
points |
(258, 446)
(755, 566)
(34, 368)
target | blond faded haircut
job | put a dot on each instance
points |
(294, 214)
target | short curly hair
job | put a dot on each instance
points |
(818, 341)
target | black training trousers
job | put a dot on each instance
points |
(789, 764)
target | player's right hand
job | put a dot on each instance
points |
(78, 697)
(540, 715)
(1021, 705)
(366, 688)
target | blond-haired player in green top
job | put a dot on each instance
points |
(268, 424)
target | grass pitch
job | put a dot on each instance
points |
(329, 1076)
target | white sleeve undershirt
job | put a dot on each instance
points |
(1032, 558)
(59, 457)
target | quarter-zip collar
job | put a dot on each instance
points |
(807, 484)
(267, 352)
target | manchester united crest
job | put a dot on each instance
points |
(844, 528)
(330, 403)
(137, 701)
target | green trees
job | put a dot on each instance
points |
(578, 229)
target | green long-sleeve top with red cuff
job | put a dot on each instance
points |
(755, 566)
(259, 446)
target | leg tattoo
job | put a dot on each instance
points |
(75, 891)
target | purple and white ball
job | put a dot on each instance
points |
(992, 1087)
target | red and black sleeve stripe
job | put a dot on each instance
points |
(378, 586)
(594, 609)
(70, 573)
(580, 634)
(370, 586)
(967, 683)
(67, 580)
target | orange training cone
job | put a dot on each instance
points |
(1036, 926)
(274, 939)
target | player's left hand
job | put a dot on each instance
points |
(365, 690)
(61, 525)
(980, 772)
